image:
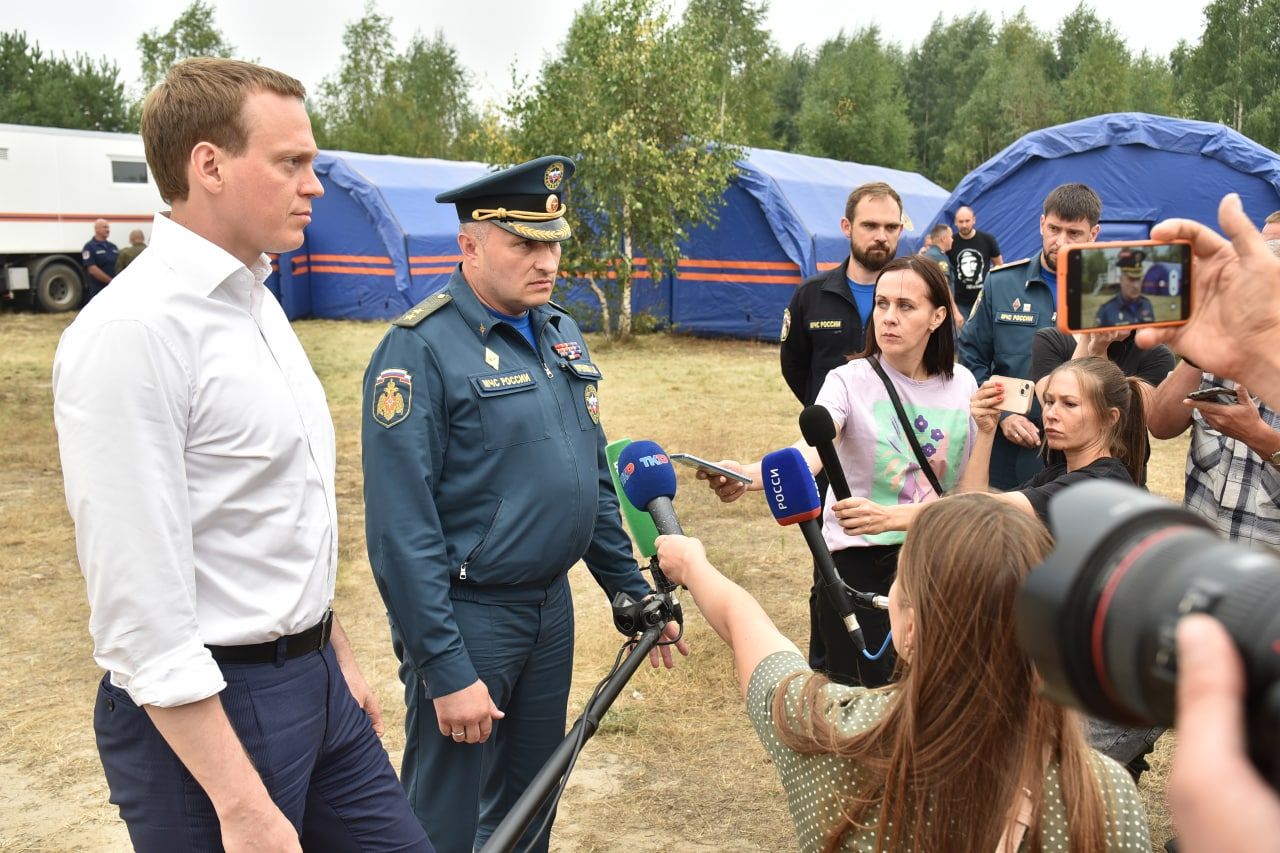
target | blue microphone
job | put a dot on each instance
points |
(648, 480)
(793, 499)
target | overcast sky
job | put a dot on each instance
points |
(305, 38)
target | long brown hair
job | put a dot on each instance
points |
(1105, 387)
(940, 352)
(966, 728)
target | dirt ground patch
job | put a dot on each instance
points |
(675, 761)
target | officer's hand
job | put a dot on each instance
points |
(467, 715)
(1020, 431)
(1096, 343)
(1219, 802)
(727, 490)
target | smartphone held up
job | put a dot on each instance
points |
(1123, 285)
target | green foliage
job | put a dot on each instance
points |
(1233, 75)
(193, 33)
(633, 101)
(788, 77)
(1013, 97)
(381, 102)
(854, 107)
(76, 92)
(742, 61)
(939, 74)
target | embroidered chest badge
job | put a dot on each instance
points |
(393, 396)
(568, 350)
(592, 399)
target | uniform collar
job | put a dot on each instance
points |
(478, 318)
(200, 265)
(838, 281)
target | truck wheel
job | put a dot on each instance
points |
(59, 287)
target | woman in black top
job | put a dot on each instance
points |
(1093, 415)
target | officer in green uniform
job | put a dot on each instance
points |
(1016, 300)
(485, 480)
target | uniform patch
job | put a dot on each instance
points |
(491, 358)
(393, 396)
(503, 383)
(583, 369)
(592, 400)
(786, 324)
(1021, 318)
(568, 350)
(818, 325)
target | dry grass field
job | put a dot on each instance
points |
(675, 762)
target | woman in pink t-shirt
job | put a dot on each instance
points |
(912, 336)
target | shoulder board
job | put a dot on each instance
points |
(1011, 265)
(422, 310)
(558, 307)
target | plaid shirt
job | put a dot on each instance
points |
(1230, 485)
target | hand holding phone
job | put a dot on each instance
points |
(1018, 394)
(1123, 285)
(709, 467)
(1215, 394)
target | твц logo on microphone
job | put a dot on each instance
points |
(655, 460)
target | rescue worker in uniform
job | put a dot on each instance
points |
(99, 258)
(1018, 299)
(485, 480)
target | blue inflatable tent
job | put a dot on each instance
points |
(1145, 167)
(779, 224)
(378, 243)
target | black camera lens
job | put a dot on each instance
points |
(1098, 616)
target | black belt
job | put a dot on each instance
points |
(278, 651)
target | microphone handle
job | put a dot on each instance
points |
(831, 467)
(664, 518)
(834, 588)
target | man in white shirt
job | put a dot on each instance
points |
(199, 458)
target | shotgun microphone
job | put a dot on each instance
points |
(819, 432)
(793, 499)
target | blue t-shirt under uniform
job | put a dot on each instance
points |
(522, 324)
(1050, 278)
(864, 296)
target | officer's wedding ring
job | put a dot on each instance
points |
(460, 734)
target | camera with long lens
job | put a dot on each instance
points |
(1098, 616)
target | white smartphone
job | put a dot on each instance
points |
(1018, 394)
(710, 467)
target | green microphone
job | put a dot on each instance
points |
(638, 522)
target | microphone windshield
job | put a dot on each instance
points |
(789, 487)
(645, 473)
(816, 425)
(639, 522)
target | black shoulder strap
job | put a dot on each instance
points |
(906, 425)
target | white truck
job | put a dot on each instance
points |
(54, 184)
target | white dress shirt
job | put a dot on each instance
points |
(198, 456)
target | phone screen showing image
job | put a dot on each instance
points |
(1121, 285)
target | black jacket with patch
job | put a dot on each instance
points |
(820, 328)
